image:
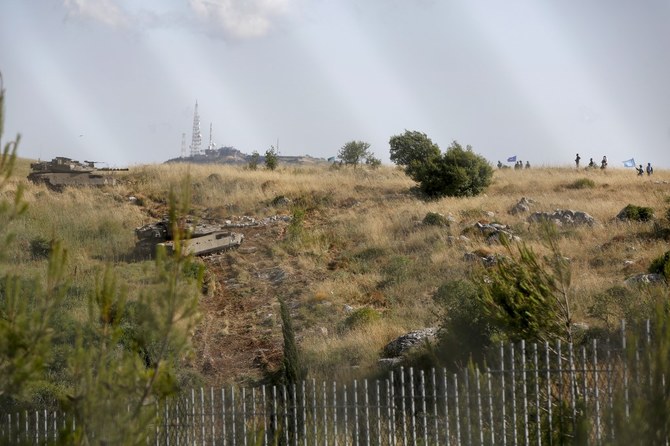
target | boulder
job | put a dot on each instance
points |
(521, 207)
(645, 279)
(563, 217)
(402, 344)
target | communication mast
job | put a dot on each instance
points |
(211, 145)
(197, 136)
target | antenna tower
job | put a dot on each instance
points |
(211, 145)
(197, 136)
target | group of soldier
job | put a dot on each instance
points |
(518, 165)
(592, 164)
(640, 170)
(603, 165)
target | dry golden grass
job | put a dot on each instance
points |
(361, 243)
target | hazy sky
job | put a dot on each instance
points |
(117, 80)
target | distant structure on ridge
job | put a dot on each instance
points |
(196, 141)
(183, 145)
(211, 145)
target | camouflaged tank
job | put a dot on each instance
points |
(201, 238)
(61, 172)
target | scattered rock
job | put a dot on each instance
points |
(389, 362)
(348, 308)
(563, 217)
(645, 279)
(274, 275)
(521, 207)
(487, 260)
(402, 344)
(492, 231)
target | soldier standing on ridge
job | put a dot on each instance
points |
(650, 169)
(592, 163)
(640, 171)
(603, 163)
(577, 160)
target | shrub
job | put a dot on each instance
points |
(457, 173)
(636, 213)
(582, 183)
(527, 296)
(353, 152)
(253, 160)
(271, 158)
(360, 317)
(435, 219)
(465, 331)
(661, 265)
(40, 248)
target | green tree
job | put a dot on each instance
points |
(354, 152)
(271, 158)
(253, 160)
(293, 369)
(527, 296)
(458, 172)
(27, 306)
(114, 374)
(412, 150)
(373, 162)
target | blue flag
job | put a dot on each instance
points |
(511, 159)
(629, 163)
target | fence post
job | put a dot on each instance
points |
(538, 413)
(423, 407)
(548, 374)
(456, 404)
(379, 413)
(513, 373)
(479, 407)
(265, 419)
(468, 418)
(435, 414)
(367, 413)
(304, 413)
(525, 393)
(356, 431)
(412, 404)
(573, 386)
(334, 413)
(346, 416)
(325, 415)
(202, 414)
(491, 420)
(402, 406)
(596, 388)
(625, 368)
(502, 378)
(447, 435)
(389, 412)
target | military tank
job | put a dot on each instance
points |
(201, 239)
(61, 172)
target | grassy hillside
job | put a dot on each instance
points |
(356, 239)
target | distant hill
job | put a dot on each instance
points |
(230, 155)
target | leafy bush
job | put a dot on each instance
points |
(661, 265)
(636, 213)
(457, 173)
(465, 331)
(353, 152)
(582, 183)
(253, 160)
(529, 297)
(360, 317)
(40, 248)
(271, 158)
(435, 219)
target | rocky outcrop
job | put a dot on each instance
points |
(563, 217)
(521, 207)
(493, 231)
(645, 279)
(402, 344)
